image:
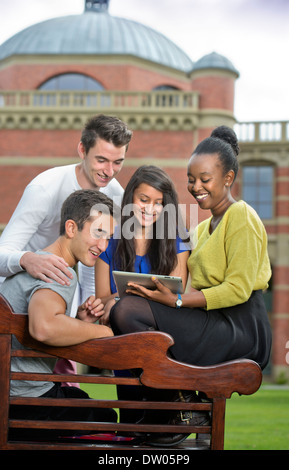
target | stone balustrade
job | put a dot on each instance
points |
(258, 132)
(159, 110)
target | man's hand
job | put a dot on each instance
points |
(46, 267)
(104, 320)
(49, 324)
(90, 310)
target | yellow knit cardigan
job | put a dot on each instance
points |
(233, 261)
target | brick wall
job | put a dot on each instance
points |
(39, 143)
(13, 180)
(111, 76)
(215, 91)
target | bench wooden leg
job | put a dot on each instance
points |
(218, 423)
(5, 353)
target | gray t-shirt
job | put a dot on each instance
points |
(18, 290)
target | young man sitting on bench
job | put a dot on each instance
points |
(86, 225)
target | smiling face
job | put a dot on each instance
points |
(148, 203)
(100, 164)
(87, 244)
(207, 182)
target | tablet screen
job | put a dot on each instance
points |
(122, 278)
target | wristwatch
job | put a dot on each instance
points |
(179, 301)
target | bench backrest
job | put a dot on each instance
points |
(147, 351)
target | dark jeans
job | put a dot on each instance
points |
(58, 414)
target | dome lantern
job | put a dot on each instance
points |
(96, 5)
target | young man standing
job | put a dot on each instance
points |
(35, 221)
(86, 225)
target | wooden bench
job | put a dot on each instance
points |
(146, 351)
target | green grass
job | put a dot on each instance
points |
(259, 421)
(255, 422)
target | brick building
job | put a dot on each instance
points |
(55, 74)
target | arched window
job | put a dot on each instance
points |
(165, 87)
(71, 81)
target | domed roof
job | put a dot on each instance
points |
(214, 61)
(96, 32)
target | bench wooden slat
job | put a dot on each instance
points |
(146, 405)
(189, 444)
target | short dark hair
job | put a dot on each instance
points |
(109, 128)
(78, 205)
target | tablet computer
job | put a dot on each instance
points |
(122, 278)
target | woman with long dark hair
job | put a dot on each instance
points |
(151, 235)
(149, 239)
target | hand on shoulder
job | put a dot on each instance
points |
(48, 267)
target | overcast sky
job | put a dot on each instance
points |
(253, 34)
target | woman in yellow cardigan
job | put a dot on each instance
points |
(223, 316)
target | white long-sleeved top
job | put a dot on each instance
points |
(35, 221)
